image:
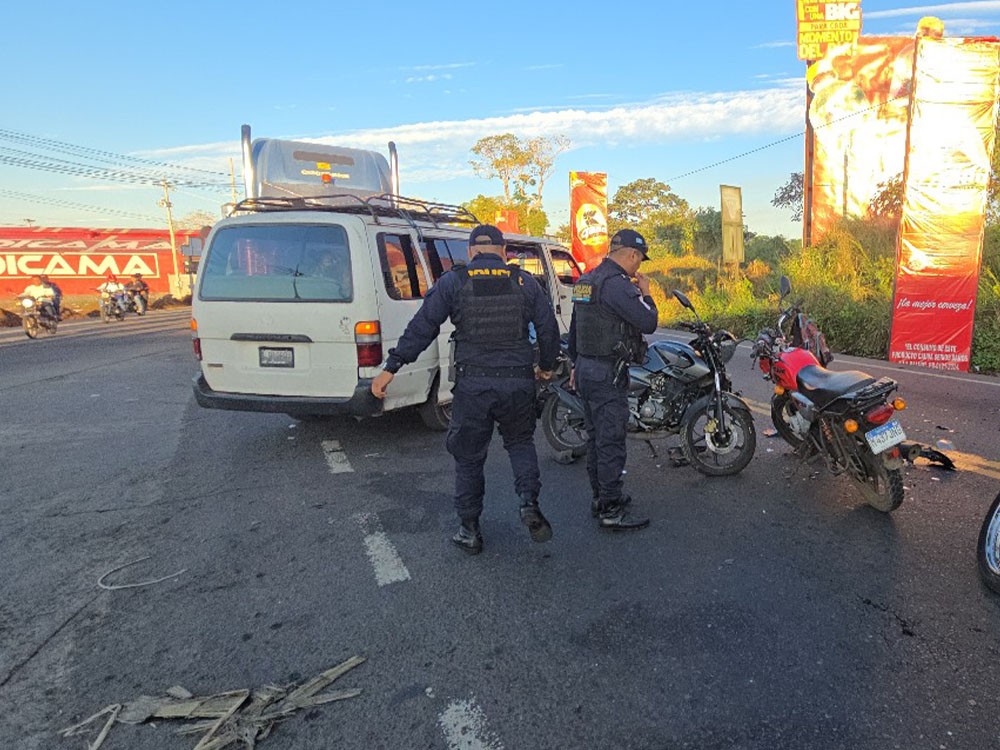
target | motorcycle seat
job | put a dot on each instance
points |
(822, 386)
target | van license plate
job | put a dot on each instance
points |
(277, 357)
(882, 438)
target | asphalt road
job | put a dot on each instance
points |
(769, 610)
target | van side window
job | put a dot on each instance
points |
(443, 255)
(566, 268)
(401, 270)
(528, 258)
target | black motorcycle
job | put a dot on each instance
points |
(679, 389)
(135, 301)
(37, 316)
(112, 306)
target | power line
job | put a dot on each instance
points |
(59, 203)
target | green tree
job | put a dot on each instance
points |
(530, 220)
(790, 195)
(196, 220)
(653, 209)
(501, 156)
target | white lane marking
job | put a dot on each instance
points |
(336, 459)
(464, 725)
(389, 567)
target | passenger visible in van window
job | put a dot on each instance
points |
(400, 273)
(334, 266)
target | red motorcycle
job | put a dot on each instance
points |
(846, 419)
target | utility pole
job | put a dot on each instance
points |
(29, 222)
(165, 203)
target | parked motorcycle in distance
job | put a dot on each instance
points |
(988, 547)
(844, 418)
(135, 302)
(679, 389)
(37, 316)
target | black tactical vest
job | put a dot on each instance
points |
(600, 332)
(492, 307)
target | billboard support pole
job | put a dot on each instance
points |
(807, 175)
(165, 203)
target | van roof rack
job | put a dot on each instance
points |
(388, 206)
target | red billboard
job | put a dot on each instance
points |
(951, 141)
(79, 259)
(588, 216)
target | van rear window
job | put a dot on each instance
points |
(278, 263)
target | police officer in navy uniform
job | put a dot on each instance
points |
(491, 305)
(610, 314)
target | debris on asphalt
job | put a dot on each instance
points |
(944, 445)
(770, 432)
(116, 586)
(234, 718)
(565, 457)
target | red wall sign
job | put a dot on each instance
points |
(79, 259)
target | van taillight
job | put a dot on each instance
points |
(368, 339)
(195, 341)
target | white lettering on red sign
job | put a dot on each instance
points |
(96, 265)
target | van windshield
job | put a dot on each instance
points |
(278, 263)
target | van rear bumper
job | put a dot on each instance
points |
(361, 404)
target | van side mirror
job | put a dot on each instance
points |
(785, 286)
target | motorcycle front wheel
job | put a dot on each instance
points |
(883, 489)
(563, 428)
(782, 409)
(104, 313)
(30, 325)
(988, 548)
(717, 453)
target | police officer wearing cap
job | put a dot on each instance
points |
(610, 314)
(491, 305)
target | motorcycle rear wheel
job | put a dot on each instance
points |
(563, 429)
(707, 453)
(988, 548)
(884, 488)
(30, 327)
(781, 407)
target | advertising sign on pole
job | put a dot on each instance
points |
(732, 224)
(822, 24)
(939, 249)
(588, 216)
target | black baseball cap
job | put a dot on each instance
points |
(486, 234)
(630, 238)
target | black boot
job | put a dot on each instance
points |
(595, 504)
(616, 517)
(469, 537)
(531, 516)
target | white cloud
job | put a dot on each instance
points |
(978, 6)
(439, 150)
(545, 66)
(429, 78)
(773, 45)
(444, 66)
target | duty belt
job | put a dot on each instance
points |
(518, 371)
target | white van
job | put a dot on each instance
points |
(299, 298)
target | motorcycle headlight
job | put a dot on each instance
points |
(27, 303)
(727, 345)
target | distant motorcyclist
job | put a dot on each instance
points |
(114, 290)
(42, 294)
(57, 294)
(138, 293)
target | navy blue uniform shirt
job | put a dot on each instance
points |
(441, 301)
(624, 299)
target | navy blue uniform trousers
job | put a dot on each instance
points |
(478, 404)
(605, 417)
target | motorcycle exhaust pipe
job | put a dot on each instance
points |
(910, 451)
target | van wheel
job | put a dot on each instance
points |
(435, 416)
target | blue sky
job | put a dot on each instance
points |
(660, 89)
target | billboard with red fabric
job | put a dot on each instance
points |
(78, 259)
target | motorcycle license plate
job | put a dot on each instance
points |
(882, 438)
(277, 356)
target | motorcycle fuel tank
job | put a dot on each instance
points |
(672, 358)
